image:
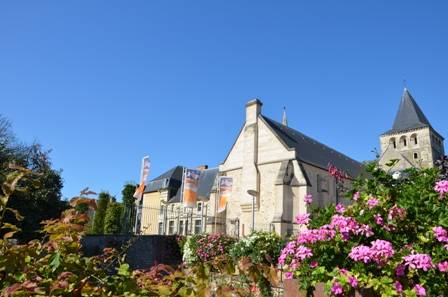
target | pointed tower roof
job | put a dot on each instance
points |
(409, 115)
(284, 118)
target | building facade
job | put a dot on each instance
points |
(412, 141)
(273, 167)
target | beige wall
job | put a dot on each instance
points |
(150, 213)
(428, 149)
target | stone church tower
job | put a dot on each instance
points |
(412, 140)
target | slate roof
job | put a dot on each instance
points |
(409, 115)
(172, 180)
(313, 152)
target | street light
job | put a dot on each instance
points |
(254, 194)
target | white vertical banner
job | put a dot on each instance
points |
(190, 187)
(144, 173)
(225, 191)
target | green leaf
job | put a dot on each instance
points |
(55, 261)
(124, 270)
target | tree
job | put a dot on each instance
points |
(112, 222)
(104, 198)
(128, 217)
(42, 198)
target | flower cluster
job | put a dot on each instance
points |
(418, 261)
(206, 247)
(303, 219)
(441, 187)
(440, 234)
(293, 254)
(308, 199)
(379, 252)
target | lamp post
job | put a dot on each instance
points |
(254, 194)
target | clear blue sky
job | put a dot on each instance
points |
(103, 83)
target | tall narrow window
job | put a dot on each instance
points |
(181, 227)
(415, 156)
(171, 227)
(160, 228)
(197, 226)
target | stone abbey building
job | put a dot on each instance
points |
(281, 165)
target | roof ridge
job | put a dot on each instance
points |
(312, 139)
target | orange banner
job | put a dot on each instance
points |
(144, 173)
(225, 191)
(190, 190)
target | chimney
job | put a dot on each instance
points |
(253, 109)
(202, 167)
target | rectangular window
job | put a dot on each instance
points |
(181, 227)
(162, 208)
(171, 227)
(199, 208)
(197, 226)
(322, 183)
(160, 228)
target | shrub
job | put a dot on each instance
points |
(260, 246)
(393, 238)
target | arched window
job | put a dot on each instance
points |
(403, 141)
(415, 156)
(393, 142)
(414, 140)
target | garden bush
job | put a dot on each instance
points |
(393, 238)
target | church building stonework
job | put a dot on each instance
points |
(412, 141)
(281, 165)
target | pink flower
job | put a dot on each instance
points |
(419, 290)
(418, 261)
(443, 266)
(381, 251)
(399, 271)
(396, 212)
(360, 253)
(398, 287)
(314, 264)
(356, 196)
(440, 233)
(441, 187)
(337, 288)
(308, 198)
(340, 208)
(372, 202)
(288, 275)
(353, 281)
(303, 219)
(378, 219)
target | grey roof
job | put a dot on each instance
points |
(409, 115)
(313, 152)
(172, 181)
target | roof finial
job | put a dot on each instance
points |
(405, 85)
(284, 119)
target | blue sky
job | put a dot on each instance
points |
(103, 83)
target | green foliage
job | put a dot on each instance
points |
(260, 246)
(112, 219)
(128, 216)
(104, 199)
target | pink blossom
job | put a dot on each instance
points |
(398, 287)
(360, 253)
(441, 187)
(396, 213)
(399, 271)
(372, 202)
(443, 266)
(303, 252)
(440, 233)
(337, 288)
(340, 208)
(378, 219)
(381, 251)
(419, 290)
(356, 196)
(314, 264)
(308, 199)
(353, 281)
(418, 261)
(288, 275)
(303, 219)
